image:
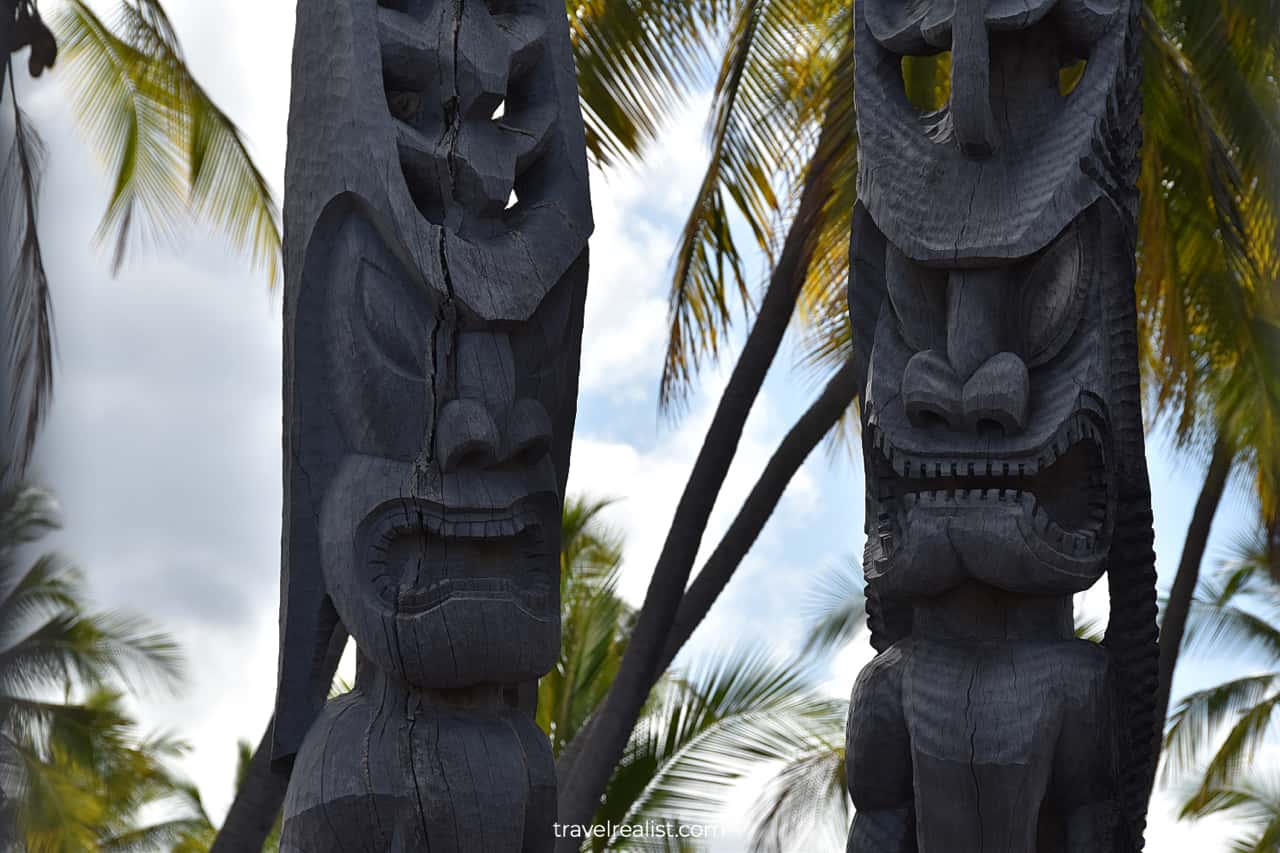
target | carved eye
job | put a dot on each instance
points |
(919, 298)
(404, 105)
(1052, 297)
(397, 321)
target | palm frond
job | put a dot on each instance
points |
(594, 621)
(171, 150)
(27, 513)
(837, 609)
(1237, 751)
(74, 648)
(770, 100)
(809, 796)
(1201, 714)
(637, 61)
(731, 714)
(1253, 804)
(1208, 226)
(30, 358)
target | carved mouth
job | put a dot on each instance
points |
(1063, 488)
(422, 555)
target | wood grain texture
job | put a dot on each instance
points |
(436, 222)
(991, 296)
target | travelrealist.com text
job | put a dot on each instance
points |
(647, 829)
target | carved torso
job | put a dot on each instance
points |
(387, 770)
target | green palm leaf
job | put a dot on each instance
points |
(171, 150)
(637, 62)
(594, 621)
(771, 98)
(710, 728)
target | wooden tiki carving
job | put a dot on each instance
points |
(993, 307)
(436, 224)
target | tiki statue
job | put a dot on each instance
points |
(436, 224)
(992, 302)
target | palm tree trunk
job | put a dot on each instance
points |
(1174, 623)
(603, 741)
(261, 794)
(794, 449)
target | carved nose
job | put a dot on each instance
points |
(466, 436)
(486, 424)
(975, 383)
(971, 117)
(996, 396)
(528, 431)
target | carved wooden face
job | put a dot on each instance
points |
(988, 416)
(996, 173)
(439, 532)
(436, 228)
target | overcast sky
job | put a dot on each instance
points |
(164, 441)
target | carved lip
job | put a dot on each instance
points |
(1064, 489)
(421, 555)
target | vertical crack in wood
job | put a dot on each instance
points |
(973, 753)
(425, 322)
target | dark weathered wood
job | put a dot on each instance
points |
(436, 221)
(992, 295)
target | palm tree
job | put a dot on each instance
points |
(95, 785)
(172, 154)
(594, 621)
(705, 727)
(809, 794)
(710, 725)
(1236, 610)
(1210, 291)
(77, 776)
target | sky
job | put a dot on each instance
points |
(163, 445)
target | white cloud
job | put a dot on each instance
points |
(626, 318)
